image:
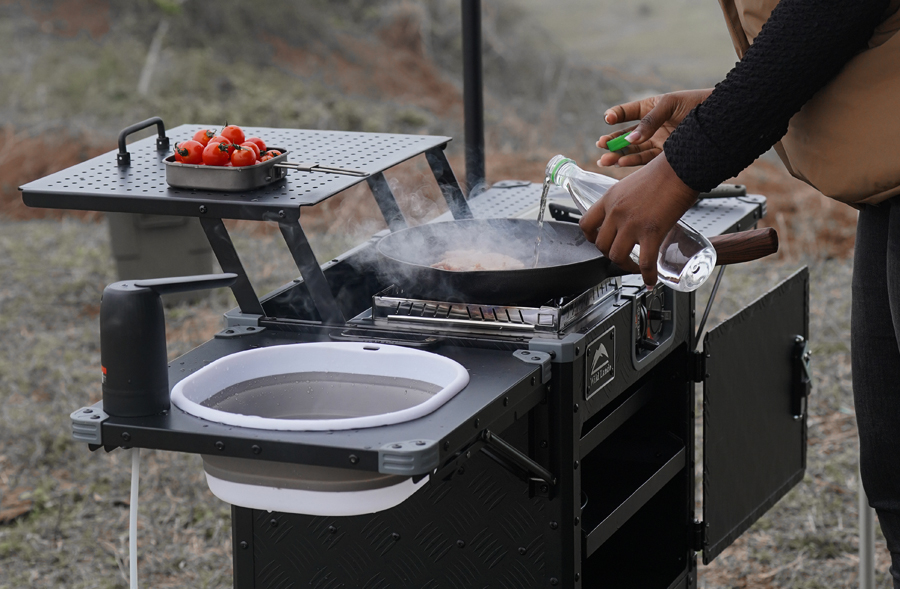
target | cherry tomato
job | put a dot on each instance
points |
(243, 156)
(189, 152)
(215, 154)
(203, 136)
(234, 134)
(259, 143)
(250, 145)
(224, 141)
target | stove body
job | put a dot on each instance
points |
(568, 458)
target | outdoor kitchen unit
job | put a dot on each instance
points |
(566, 459)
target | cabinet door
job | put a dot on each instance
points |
(754, 411)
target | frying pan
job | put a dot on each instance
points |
(567, 262)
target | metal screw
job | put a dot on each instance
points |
(576, 407)
(577, 576)
(354, 459)
(446, 445)
(544, 444)
(576, 465)
(553, 525)
(281, 214)
(395, 536)
(522, 550)
(544, 488)
(577, 351)
(95, 417)
(505, 401)
(460, 543)
(126, 436)
(88, 410)
(577, 520)
(533, 380)
(468, 453)
(203, 209)
(256, 449)
(332, 530)
(461, 470)
(220, 445)
(420, 443)
(229, 331)
(554, 581)
(397, 446)
(244, 545)
(273, 522)
(477, 422)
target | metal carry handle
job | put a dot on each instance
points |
(323, 169)
(724, 191)
(162, 142)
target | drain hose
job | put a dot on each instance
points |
(133, 513)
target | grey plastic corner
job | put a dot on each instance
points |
(238, 331)
(542, 359)
(561, 350)
(86, 424)
(235, 318)
(408, 458)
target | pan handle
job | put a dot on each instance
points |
(744, 246)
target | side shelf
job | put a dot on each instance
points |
(621, 477)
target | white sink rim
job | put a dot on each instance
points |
(345, 357)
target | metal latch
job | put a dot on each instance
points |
(540, 358)
(802, 377)
(86, 424)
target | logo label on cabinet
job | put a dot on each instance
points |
(600, 363)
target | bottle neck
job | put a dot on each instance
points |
(558, 168)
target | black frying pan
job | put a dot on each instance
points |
(568, 263)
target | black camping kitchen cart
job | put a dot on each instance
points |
(568, 460)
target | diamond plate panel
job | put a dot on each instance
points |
(480, 529)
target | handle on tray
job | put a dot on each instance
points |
(744, 246)
(162, 142)
(322, 169)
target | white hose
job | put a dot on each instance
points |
(132, 524)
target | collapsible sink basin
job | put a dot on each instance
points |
(320, 386)
(315, 387)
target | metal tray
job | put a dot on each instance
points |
(225, 179)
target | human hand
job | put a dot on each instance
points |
(640, 209)
(658, 115)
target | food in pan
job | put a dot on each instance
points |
(468, 260)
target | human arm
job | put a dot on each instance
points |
(802, 46)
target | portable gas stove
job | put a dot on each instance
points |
(567, 458)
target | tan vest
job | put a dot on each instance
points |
(845, 141)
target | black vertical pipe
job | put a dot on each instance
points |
(473, 93)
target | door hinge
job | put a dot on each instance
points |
(699, 535)
(698, 365)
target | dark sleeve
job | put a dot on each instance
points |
(800, 48)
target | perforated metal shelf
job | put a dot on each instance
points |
(100, 184)
(513, 198)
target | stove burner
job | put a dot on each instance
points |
(391, 308)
